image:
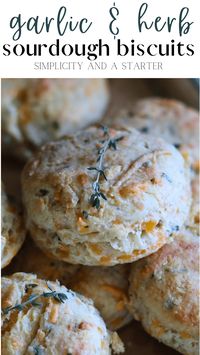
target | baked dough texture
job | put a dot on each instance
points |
(35, 111)
(106, 286)
(31, 259)
(53, 327)
(178, 124)
(147, 191)
(193, 222)
(164, 293)
(170, 119)
(12, 229)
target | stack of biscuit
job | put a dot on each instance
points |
(110, 211)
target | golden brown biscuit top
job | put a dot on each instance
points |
(132, 167)
(169, 119)
(167, 281)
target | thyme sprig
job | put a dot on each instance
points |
(107, 143)
(37, 350)
(58, 296)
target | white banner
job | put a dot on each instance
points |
(121, 38)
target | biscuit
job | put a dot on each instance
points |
(51, 320)
(164, 293)
(178, 125)
(147, 191)
(108, 288)
(35, 111)
(170, 119)
(12, 229)
(193, 222)
(31, 259)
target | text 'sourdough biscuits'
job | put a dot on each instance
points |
(164, 293)
(58, 322)
(35, 111)
(108, 288)
(12, 229)
(175, 122)
(147, 191)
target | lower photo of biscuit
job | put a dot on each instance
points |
(100, 216)
(164, 294)
(43, 317)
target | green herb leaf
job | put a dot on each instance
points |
(59, 297)
(85, 214)
(55, 125)
(37, 350)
